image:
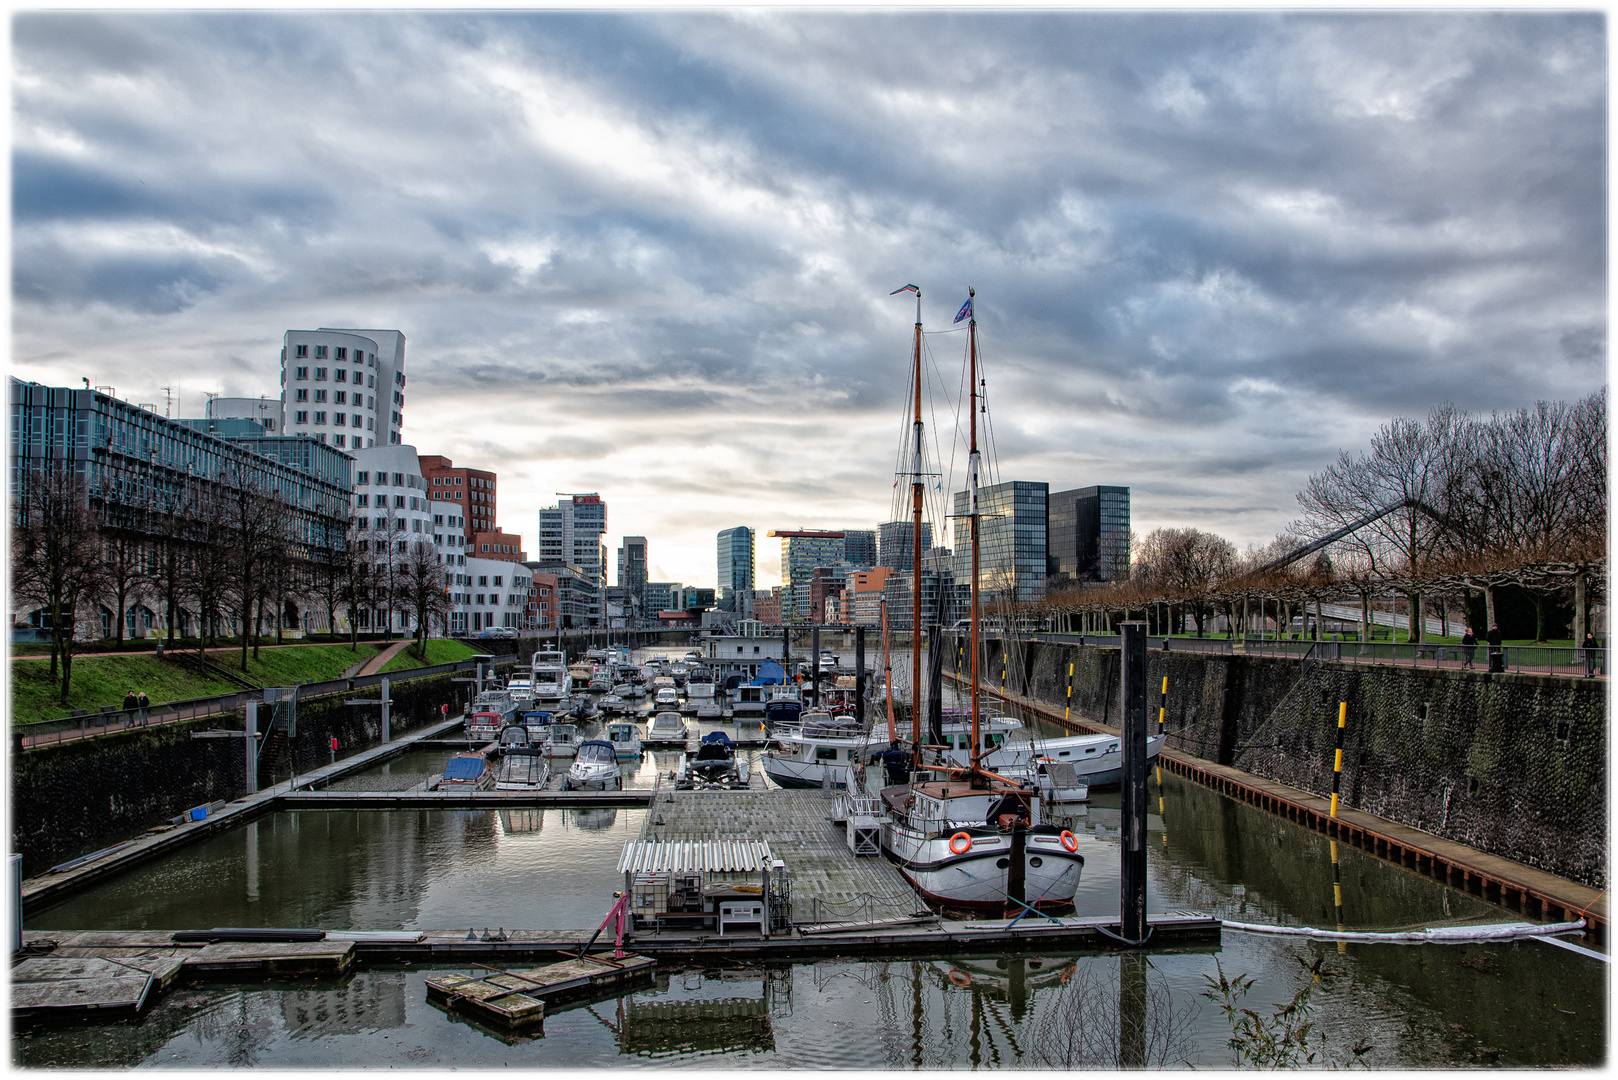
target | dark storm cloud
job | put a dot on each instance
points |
(1208, 246)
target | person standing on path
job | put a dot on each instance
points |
(1591, 647)
(1497, 654)
(131, 702)
(1469, 648)
(144, 704)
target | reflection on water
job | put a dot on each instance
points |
(1519, 1004)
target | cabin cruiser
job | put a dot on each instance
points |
(595, 765)
(561, 740)
(748, 702)
(519, 761)
(466, 772)
(678, 672)
(667, 698)
(512, 737)
(1098, 760)
(666, 727)
(483, 725)
(629, 690)
(551, 682)
(699, 683)
(612, 704)
(625, 738)
(828, 662)
(821, 749)
(714, 765)
(536, 721)
(580, 675)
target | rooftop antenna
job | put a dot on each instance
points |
(207, 409)
(168, 401)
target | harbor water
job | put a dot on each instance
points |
(1526, 1003)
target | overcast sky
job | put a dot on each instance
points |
(650, 254)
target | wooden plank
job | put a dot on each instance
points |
(273, 957)
(89, 967)
(81, 999)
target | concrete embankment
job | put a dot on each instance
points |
(1509, 764)
(78, 796)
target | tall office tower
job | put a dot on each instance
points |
(1089, 533)
(801, 552)
(735, 564)
(474, 492)
(632, 574)
(859, 547)
(1011, 534)
(895, 543)
(344, 387)
(570, 532)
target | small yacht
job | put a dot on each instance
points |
(667, 698)
(512, 737)
(625, 738)
(562, 740)
(666, 727)
(536, 721)
(523, 769)
(699, 683)
(551, 682)
(611, 704)
(630, 691)
(466, 772)
(483, 725)
(594, 766)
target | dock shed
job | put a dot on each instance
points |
(723, 885)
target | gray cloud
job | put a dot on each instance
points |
(1210, 249)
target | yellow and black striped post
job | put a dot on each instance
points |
(1337, 894)
(1003, 657)
(1162, 704)
(1337, 763)
(1067, 714)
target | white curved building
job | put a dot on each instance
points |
(344, 387)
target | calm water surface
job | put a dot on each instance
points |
(1518, 1004)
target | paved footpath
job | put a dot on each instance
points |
(380, 660)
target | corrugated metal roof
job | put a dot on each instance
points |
(693, 856)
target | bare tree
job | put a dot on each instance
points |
(1187, 564)
(1092, 1025)
(210, 557)
(55, 553)
(124, 554)
(423, 590)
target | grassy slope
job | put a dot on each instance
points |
(103, 680)
(439, 651)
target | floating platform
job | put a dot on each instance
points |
(516, 999)
(230, 959)
(462, 800)
(81, 988)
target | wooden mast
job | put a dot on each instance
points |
(915, 545)
(972, 513)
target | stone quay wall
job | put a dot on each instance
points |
(72, 798)
(1511, 764)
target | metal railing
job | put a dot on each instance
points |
(1529, 659)
(110, 720)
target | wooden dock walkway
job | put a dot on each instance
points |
(828, 883)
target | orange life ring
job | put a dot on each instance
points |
(965, 841)
(960, 978)
(1070, 841)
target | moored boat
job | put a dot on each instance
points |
(666, 727)
(625, 738)
(561, 740)
(594, 766)
(714, 765)
(466, 772)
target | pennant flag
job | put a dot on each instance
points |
(907, 288)
(966, 310)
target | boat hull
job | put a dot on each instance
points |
(974, 880)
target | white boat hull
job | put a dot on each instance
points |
(973, 879)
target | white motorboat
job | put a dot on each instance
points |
(625, 738)
(667, 698)
(699, 683)
(483, 725)
(594, 766)
(551, 682)
(666, 727)
(714, 765)
(562, 740)
(523, 769)
(630, 691)
(611, 704)
(709, 710)
(821, 748)
(1098, 760)
(748, 702)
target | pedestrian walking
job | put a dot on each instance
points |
(144, 704)
(1497, 654)
(131, 702)
(1469, 648)
(1591, 650)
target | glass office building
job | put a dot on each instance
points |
(1012, 548)
(735, 564)
(1089, 534)
(895, 544)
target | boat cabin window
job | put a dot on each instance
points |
(825, 753)
(595, 753)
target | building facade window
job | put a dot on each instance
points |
(320, 352)
(320, 374)
(303, 350)
(302, 416)
(300, 372)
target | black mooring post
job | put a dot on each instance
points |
(859, 676)
(935, 685)
(814, 666)
(1132, 876)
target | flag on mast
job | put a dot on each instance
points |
(966, 310)
(907, 288)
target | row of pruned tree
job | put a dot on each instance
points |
(1434, 510)
(220, 552)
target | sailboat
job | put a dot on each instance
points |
(966, 837)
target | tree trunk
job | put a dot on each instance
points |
(1580, 616)
(1365, 618)
(1488, 605)
(1539, 616)
(1413, 607)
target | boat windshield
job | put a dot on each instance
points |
(597, 753)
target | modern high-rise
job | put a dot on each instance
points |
(801, 552)
(343, 387)
(1011, 563)
(735, 564)
(859, 547)
(570, 532)
(1089, 533)
(632, 574)
(896, 543)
